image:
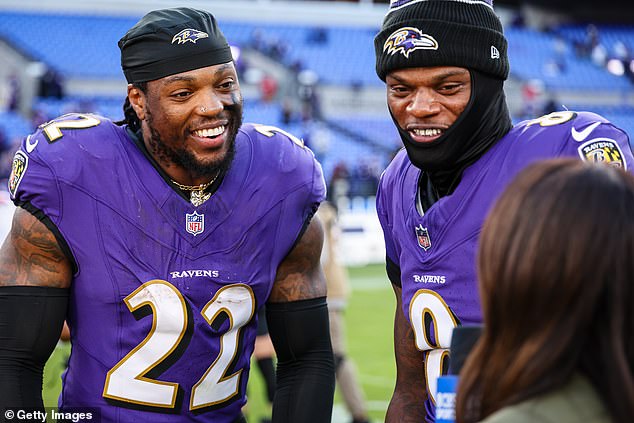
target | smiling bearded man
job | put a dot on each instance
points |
(159, 238)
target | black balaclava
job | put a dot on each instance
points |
(484, 121)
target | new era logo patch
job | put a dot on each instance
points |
(495, 53)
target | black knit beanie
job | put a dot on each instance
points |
(170, 41)
(424, 33)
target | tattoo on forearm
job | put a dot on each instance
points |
(31, 255)
(300, 276)
(405, 408)
(296, 286)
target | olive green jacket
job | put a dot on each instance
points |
(575, 402)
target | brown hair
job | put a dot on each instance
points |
(556, 273)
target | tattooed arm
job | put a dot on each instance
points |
(408, 400)
(31, 255)
(300, 276)
(34, 279)
(297, 316)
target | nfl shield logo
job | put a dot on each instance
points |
(423, 237)
(195, 223)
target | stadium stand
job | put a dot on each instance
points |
(341, 57)
(338, 55)
(52, 39)
(14, 126)
(535, 54)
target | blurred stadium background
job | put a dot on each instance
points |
(308, 67)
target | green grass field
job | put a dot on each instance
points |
(369, 319)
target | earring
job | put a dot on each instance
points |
(203, 109)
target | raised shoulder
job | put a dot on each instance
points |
(270, 131)
(66, 126)
(73, 149)
(586, 135)
(565, 119)
(578, 126)
(300, 276)
(277, 149)
(84, 132)
(31, 255)
(283, 164)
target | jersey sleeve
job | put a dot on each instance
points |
(302, 204)
(595, 139)
(33, 184)
(57, 154)
(295, 177)
(584, 135)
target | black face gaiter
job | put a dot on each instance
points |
(485, 120)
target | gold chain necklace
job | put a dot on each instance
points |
(198, 195)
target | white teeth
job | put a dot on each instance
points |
(427, 132)
(213, 132)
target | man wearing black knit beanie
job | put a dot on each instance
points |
(444, 63)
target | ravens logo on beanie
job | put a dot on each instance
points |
(423, 33)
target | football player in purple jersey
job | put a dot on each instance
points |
(444, 63)
(159, 238)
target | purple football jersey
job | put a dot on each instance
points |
(436, 250)
(164, 300)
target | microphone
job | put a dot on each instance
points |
(462, 341)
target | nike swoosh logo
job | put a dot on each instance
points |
(30, 146)
(580, 136)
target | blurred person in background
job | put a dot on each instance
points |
(555, 274)
(264, 354)
(338, 294)
(444, 63)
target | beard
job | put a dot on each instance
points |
(179, 156)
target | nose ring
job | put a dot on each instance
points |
(203, 109)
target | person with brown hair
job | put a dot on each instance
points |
(555, 275)
(338, 293)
